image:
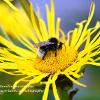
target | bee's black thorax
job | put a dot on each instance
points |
(53, 46)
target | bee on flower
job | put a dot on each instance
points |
(48, 53)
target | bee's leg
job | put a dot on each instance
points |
(55, 53)
(44, 55)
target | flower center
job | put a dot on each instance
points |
(51, 63)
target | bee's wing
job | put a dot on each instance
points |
(36, 45)
(45, 43)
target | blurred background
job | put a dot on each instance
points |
(71, 12)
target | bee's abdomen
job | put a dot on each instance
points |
(40, 52)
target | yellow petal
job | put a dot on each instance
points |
(58, 28)
(43, 30)
(46, 91)
(75, 81)
(34, 23)
(51, 20)
(11, 5)
(55, 91)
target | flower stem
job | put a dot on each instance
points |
(66, 95)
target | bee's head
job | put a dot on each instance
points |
(56, 42)
(60, 44)
(53, 40)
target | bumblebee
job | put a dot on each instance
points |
(51, 44)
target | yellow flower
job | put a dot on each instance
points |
(70, 60)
